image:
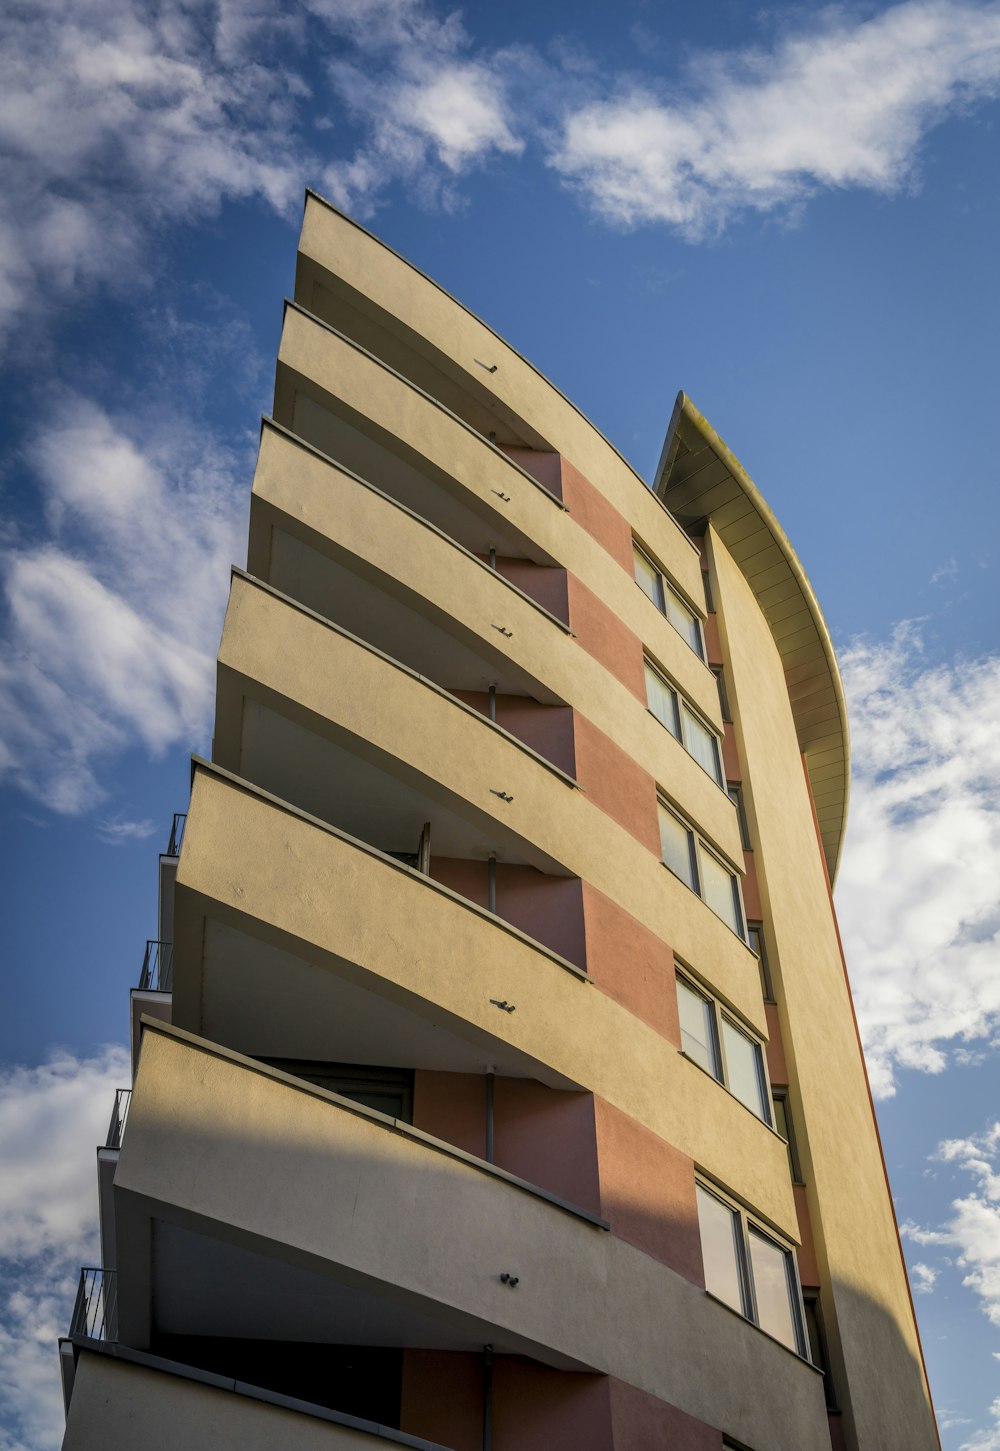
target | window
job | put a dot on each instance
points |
(817, 1344)
(719, 1045)
(736, 797)
(652, 583)
(783, 1123)
(750, 1270)
(388, 1090)
(720, 681)
(682, 723)
(699, 868)
(755, 936)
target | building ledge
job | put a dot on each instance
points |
(199, 763)
(396, 1125)
(468, 710)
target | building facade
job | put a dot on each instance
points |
(496, 1079)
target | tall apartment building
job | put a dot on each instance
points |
(496, 1077)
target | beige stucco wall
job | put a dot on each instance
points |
(336, 904)
(117, 1406)
(871, 1319)
(303, 1178)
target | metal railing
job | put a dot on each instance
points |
(157, 974)
(176, 834)
(116, 1128)
(95, 1314)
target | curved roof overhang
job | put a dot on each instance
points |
(701, 481)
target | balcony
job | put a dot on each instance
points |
(255, 1206)
(359, 286)
(373, 423)
(95, 1312)
(119, 1117)
(153, 995)
(295, 941)
(178, 1406)
(320, 720)
(278, 1210)
(349, 552)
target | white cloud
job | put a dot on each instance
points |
(917, 892)
(428, 108)
(989, 1438)
(118, 115)
(971, 1234)
(973, 1229)
(844, 104)
(114, 619)
(922, 1278)
(51, 1119)
(118, 833)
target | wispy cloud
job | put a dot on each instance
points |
(117, 116)
(989, 1438)
(114, 616)
(970, 1236)
(922, 1278)
(429, 107)
(840, 103)
(51, 1117)
(119, 833)
(917, 892)
(121, 117)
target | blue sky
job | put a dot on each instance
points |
(790, 212)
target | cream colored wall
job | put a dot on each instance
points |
(322, 897)
(213, 1141)
(871, 1320)
(117, 1406)
(444, 445)
(304, 665)
(346, 251)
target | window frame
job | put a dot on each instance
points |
(696, 845)
(720, 1014)
(781, 1091)
(796, 1301)
(680, 735)
(720, 680)
(766, 985)
(665, 588)
(811, 1298)
(734, 790)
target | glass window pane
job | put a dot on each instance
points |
(675, 846)
(662, 700)
(755, 936)
(717, 888)
(780, 1118)
(684, 620)
(719, 1227)
(703, 745)
(744, 1069)
(697, 1034)
(772, 1283)
(648, 578)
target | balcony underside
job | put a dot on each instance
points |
(267, 1209)
(294, 941)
